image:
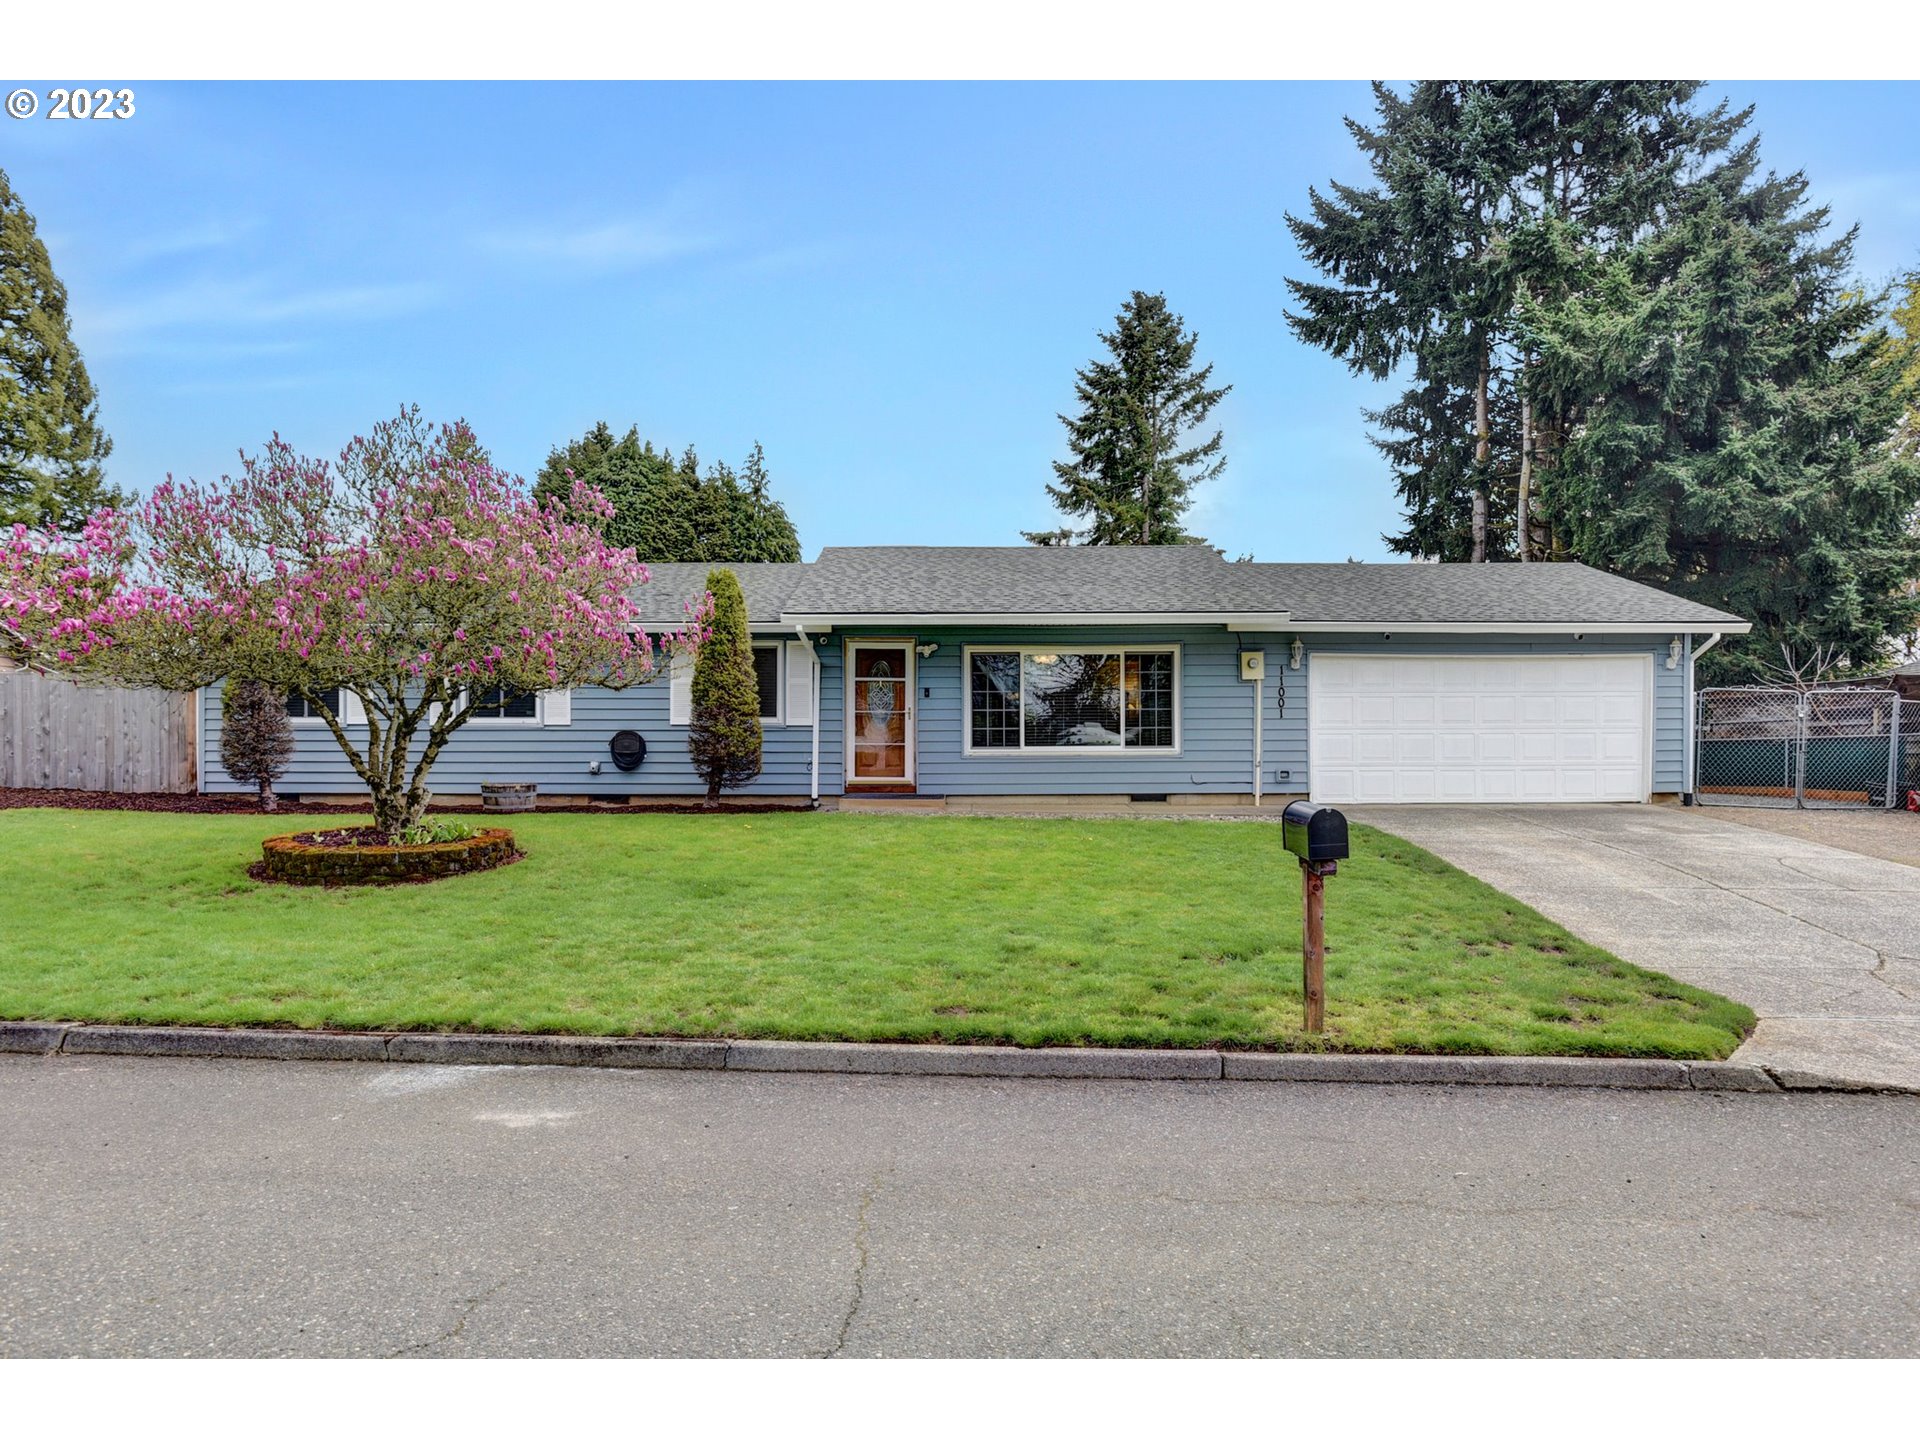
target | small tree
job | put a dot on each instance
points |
(412, 574)
(255, 739)
(725, 738)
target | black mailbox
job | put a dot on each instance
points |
(1314, 832)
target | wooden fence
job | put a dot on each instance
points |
(55, 735)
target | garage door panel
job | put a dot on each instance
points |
(1462, 729)
(1373, 710)
(1539, 709)
(1577, 746)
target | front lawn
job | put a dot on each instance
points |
(821, 926)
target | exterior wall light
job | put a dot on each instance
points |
(1295, 653)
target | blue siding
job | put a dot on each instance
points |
(554, 757)
(1216, 728)
(1215, 754)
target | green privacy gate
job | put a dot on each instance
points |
(1806, 749)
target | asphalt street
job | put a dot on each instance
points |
(190, 1207)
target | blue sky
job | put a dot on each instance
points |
(888, 286)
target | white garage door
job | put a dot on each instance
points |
(1464, 729)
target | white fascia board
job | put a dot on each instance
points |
(1234, 620)
(1511, 627)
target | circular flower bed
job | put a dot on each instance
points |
(363, 857)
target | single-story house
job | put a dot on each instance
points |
(1145, 673)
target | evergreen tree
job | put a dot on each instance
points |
(724, 740)
(761, 529)
(1737, 401)
(1133, 471)
(666, 509)
(256, 742)
(1905, 338)
(1486, 194)
(51, 443)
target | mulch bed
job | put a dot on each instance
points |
(13, 799)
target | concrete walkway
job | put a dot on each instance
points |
(1823, 943)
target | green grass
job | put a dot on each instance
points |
(822, 926)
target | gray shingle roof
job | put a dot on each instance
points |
(1021, 580)
(669, 589)
(848, 582)
(1562, 593)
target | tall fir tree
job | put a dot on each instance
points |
(1135, 459)
(1484, 193)
(1738, 404)
(51, 443)
(666, 509)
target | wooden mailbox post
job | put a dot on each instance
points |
(1317, 836)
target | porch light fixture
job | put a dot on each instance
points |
(1295, 652)
(1673, 654)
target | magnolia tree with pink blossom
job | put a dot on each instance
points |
(410, 573)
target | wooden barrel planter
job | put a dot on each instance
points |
(505, 799)
(358, 857)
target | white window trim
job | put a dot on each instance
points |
(530, 722)
(315, 720)
(1057, 752)
(756, 642)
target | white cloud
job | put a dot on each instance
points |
(204, 306)
(604, 245)
(188, 240)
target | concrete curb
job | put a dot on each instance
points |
(1003, 1060)
(45, 1037)
(608, 1052)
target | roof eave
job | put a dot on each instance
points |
(1696, 625)
(1232, 619)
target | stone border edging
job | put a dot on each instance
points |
(41, 1037)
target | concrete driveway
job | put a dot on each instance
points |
(1824, 944)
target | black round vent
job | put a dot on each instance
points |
(629, 748)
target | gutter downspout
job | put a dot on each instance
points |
(1693, 740)
(1259, 686)
(813, 766)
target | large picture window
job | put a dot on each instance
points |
(1041, 698)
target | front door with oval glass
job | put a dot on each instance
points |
(880, 712)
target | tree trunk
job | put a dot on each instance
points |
(1482, 455)
(1523, 506)
(396, 809)
(269, 802)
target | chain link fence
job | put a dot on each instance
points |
(1806, 749)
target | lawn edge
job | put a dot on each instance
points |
(50, 1038)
